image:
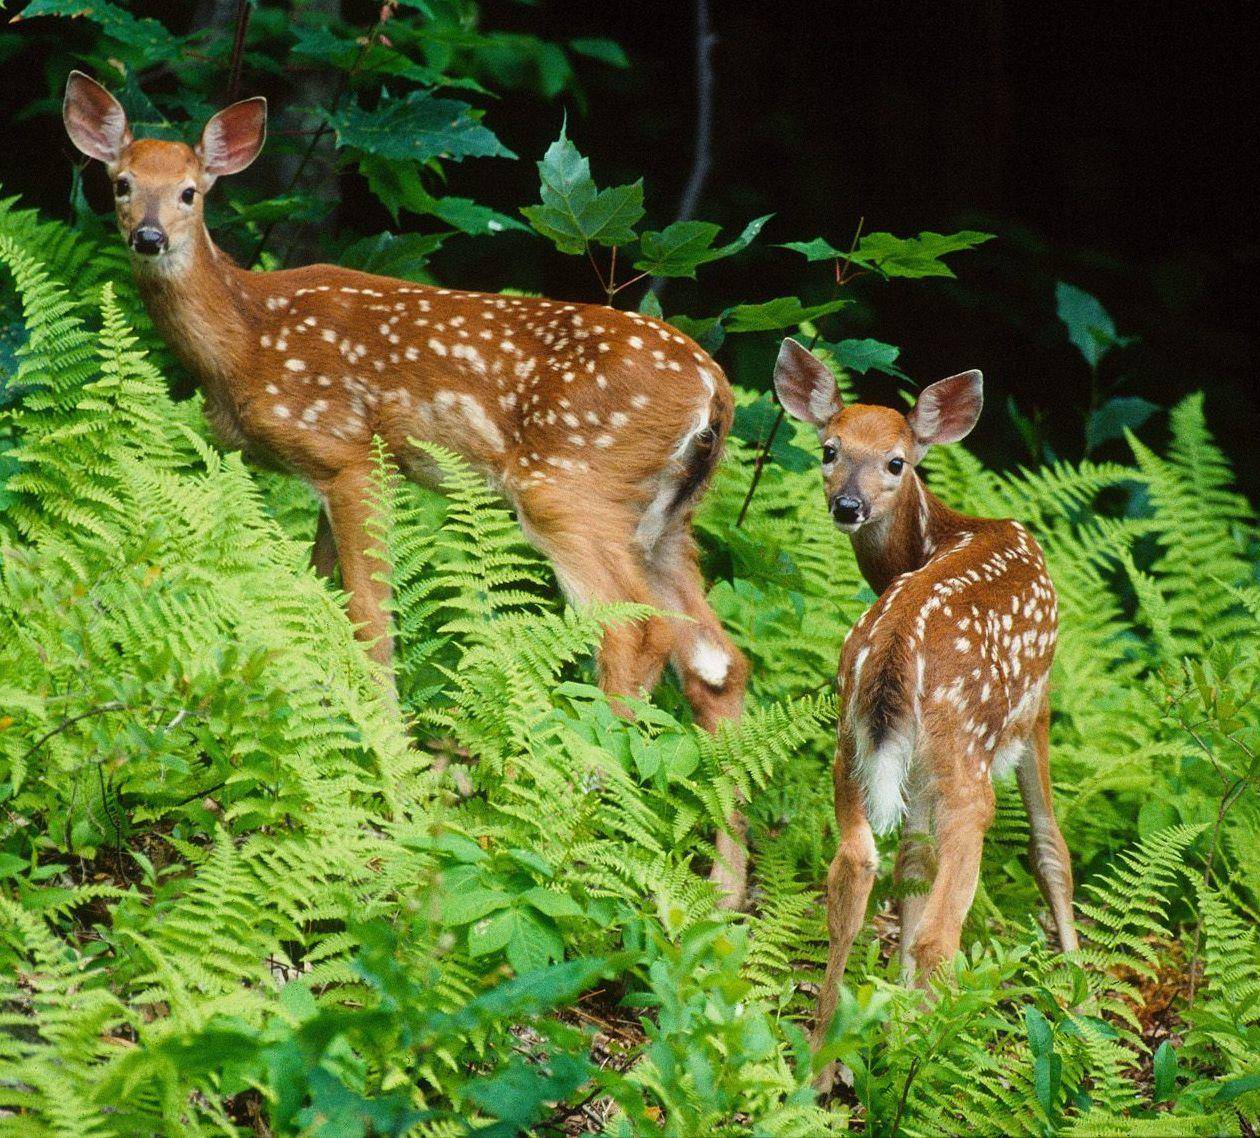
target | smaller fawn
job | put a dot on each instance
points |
(942, 681)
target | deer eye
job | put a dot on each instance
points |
(829, 453)
(895, 465)
(187, 196)
(122, 187)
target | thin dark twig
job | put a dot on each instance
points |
(102, 709)
(703, 157)
(905, 1094)
(238, 49)
(763, 456)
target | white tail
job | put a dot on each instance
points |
(942, 681)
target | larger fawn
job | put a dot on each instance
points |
(601, 427)
(942, 681)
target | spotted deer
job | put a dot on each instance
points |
(942, 681)
(601, 427)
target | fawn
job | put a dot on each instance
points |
(942, 681)
(601, 427)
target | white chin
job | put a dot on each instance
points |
(849, 527)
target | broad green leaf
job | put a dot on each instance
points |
(417, 127)
(678, 249)
(402, 255)
(1089, 326)
(531, 945)
(145, 34)
(707, 331)
(574, 213)
(399, 187)
(1164, 1068)
(551, 902)
(782, 312)
(521, 1094)
(606, 51)
(1236, 1088)
(492, 933)
(819, 249)
(472, 217)
(348, 53)
(464, 906)
(862, 356)
(914, 256)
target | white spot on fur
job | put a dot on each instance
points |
(294, 364)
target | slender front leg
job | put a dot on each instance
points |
(964, 811)
(324, 551)
(849, 881)
(363, 565)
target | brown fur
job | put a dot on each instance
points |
(944, 675)
(601, 427)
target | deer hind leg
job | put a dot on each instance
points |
(324, 551)
(849, 881)
(363, 565)
(915, 868)
(596, 561)
(713, 673)
(1047, 851)
(964, 807)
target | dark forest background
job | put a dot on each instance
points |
(1104, 144)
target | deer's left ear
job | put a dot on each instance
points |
(233, 138)
(947, 410)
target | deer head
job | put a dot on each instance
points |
(159, 185)
(867, 450)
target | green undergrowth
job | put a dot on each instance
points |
(239, 896)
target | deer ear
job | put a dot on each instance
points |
(805, 386)
(947, 410)
(233, 138)
(95, 120)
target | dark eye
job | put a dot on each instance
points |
(122, 187)
(895, 465)
(829, 453)
(187, 196)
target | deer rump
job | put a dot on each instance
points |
(937, 660)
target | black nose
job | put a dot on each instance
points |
(148, 239)
(846, 510)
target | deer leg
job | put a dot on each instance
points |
(964, 811)
(916, 867)
(324, 551)
(1047, 851)
(713, 674)
(849, 881)
(363, 567)
(596, 561)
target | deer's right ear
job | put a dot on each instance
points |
(95, 120)
(805, 386)
(233, 138)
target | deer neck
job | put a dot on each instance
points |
(201, 305)
(905, 537)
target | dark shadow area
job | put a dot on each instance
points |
(1101, 144)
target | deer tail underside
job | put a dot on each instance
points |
(880, 718)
